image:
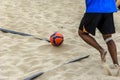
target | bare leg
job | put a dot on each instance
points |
(91, 41)
(112, 49)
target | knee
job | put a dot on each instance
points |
(107, 38)
(81, 33)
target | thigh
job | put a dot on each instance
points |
(89, 22)
(106, 24)
(105, 36)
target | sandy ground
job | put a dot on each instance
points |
(22, 56)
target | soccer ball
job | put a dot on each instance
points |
(56, 39)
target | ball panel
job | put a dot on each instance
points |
(58, 41)
(58, 34)
(52, 40)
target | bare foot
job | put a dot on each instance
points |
(103, 55)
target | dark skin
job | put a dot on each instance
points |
(110, 44)
(111, 48)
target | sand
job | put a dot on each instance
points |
(22, 56)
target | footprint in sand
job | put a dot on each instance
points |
(110, 71)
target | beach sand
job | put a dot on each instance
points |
(22, 56)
